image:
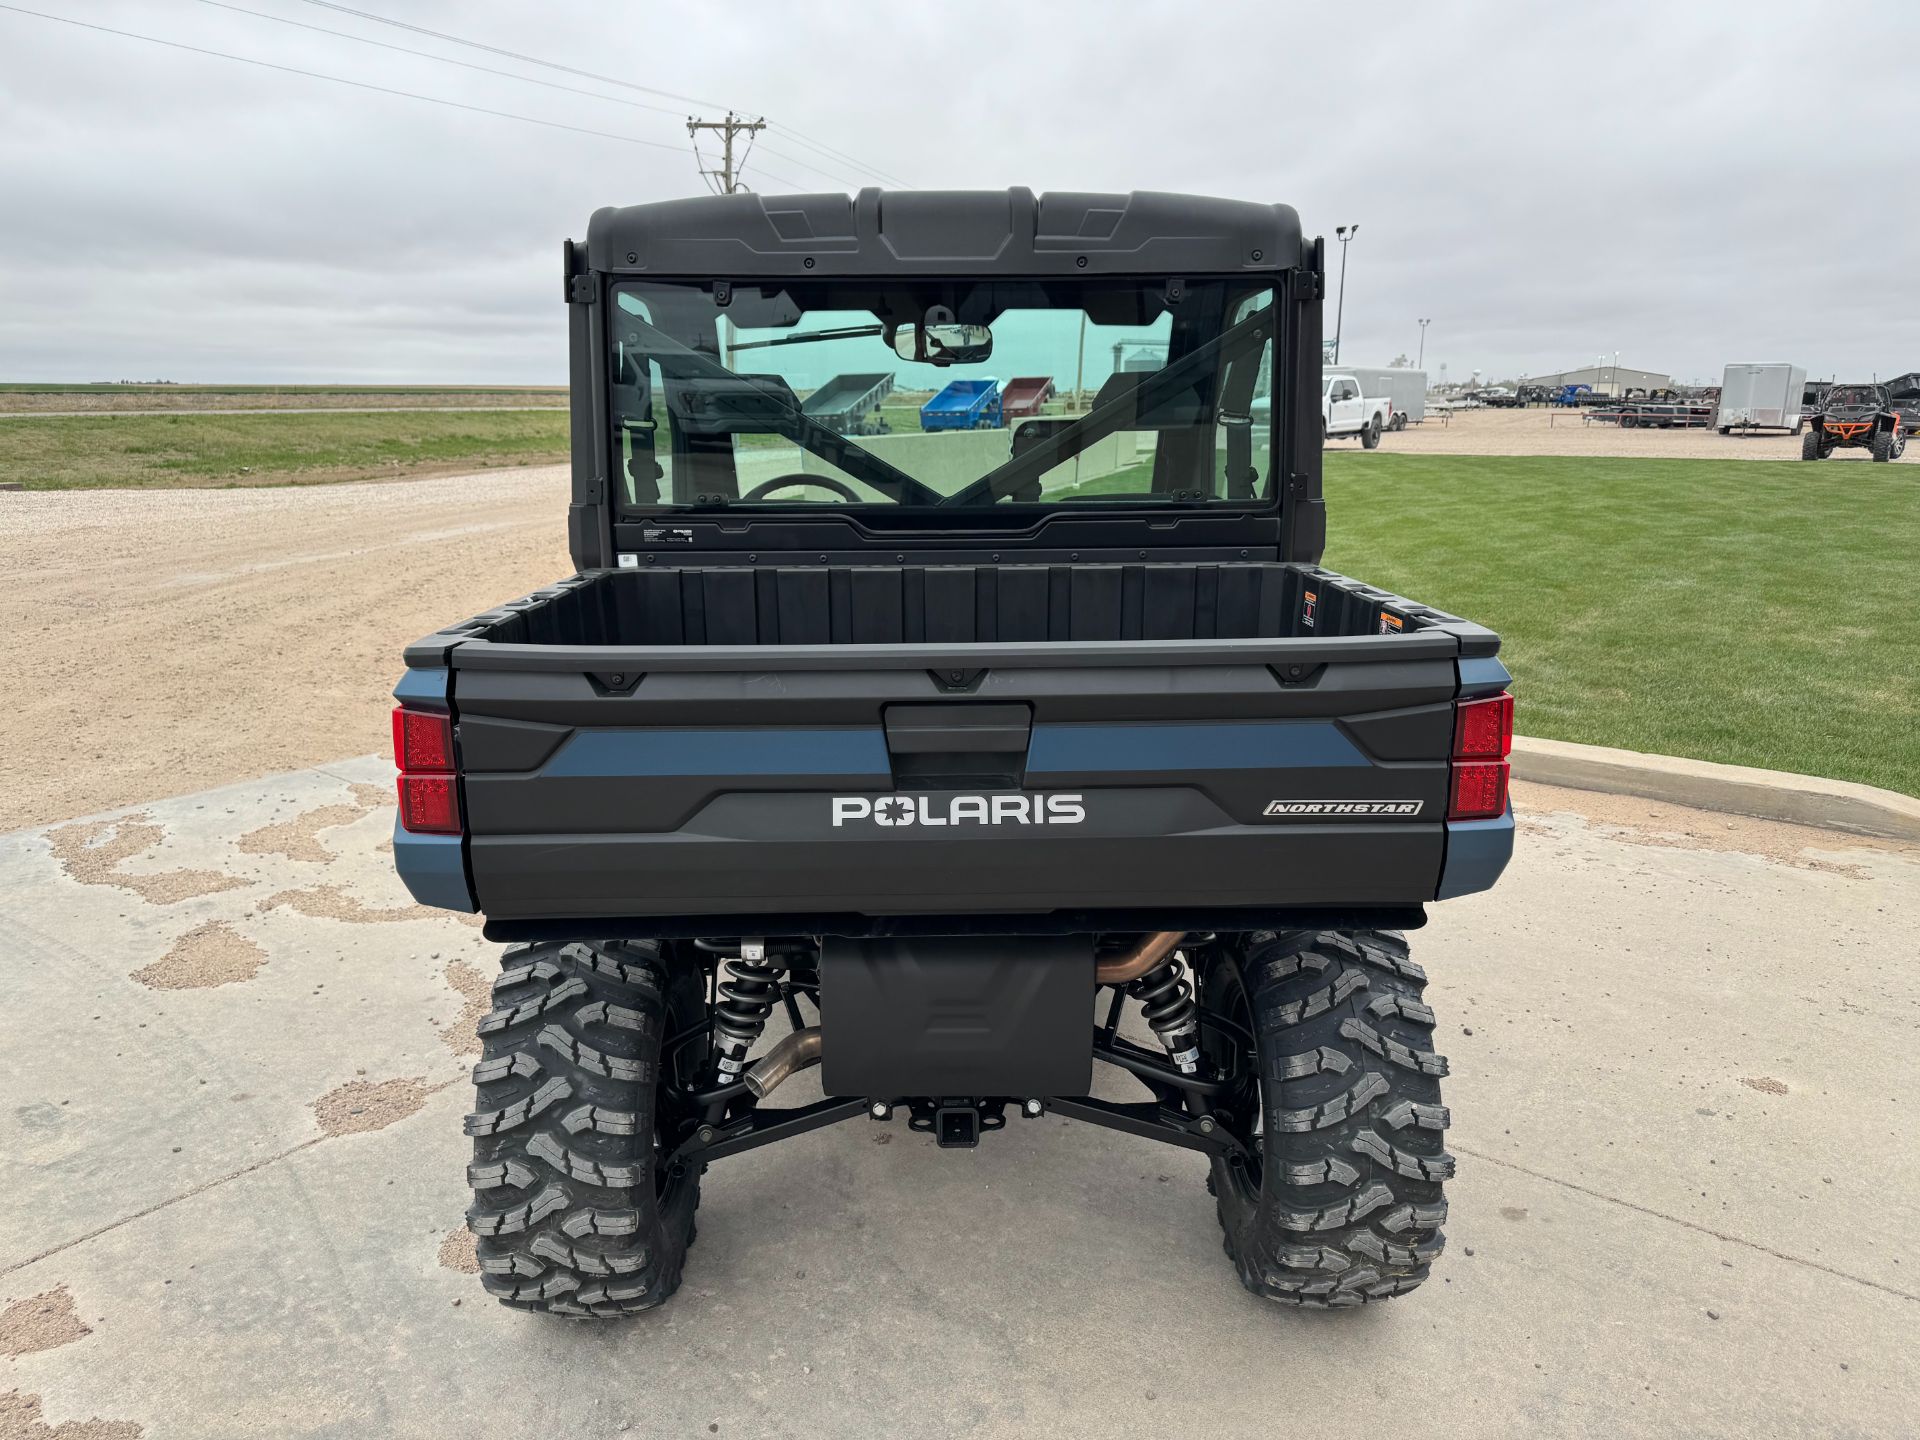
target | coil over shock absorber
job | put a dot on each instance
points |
(1167, 1001)
(747, 996)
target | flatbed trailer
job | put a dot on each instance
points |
(1666, 415)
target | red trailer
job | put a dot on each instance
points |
(1024, 395)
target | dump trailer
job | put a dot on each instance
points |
(850, 404)
(963, 405)
(1761, 397)
(830, 760)
(1024, 395)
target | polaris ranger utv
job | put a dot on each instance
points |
(939, 749)
(1854, 417)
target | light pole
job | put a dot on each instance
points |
(1343, 233)
(1421, 363)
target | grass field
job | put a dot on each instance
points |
(184, 450)
(32, 398)
(1753, 614)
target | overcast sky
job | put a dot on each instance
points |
(1684, 184)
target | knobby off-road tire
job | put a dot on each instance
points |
(1810, 448)
(1344, 1205)
(1883, 445)
(572, 1212)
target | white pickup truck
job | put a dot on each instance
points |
(1344, 411)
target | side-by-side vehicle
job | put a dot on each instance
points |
(988, 773)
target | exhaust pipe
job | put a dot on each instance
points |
(794, 1052)
(1136, 962)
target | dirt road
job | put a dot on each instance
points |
(163, 642)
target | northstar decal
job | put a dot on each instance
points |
(1281, 808)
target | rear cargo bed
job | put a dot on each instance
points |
(846, 748)
(951, 604)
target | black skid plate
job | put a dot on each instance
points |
(957, 1015)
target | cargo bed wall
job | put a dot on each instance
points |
(958, 604)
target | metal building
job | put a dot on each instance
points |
(1605, 379)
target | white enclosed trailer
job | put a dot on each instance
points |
(1761, 397)
(1407, 389)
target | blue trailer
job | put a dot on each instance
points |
(963, 405)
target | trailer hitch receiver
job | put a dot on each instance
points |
(956, 1121)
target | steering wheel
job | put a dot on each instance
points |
(780, 482)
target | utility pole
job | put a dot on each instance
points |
(1421, 363)
(728, 172)
(1080, 367)
(1344, 233)
(727, 176)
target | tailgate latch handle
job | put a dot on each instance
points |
(958, 729)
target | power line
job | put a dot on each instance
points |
(807, 165)
(342, 80)
(510, 54)
(740, 168)
(844, 158)
(795, 184)
(523, 79)
(442, 59)
(838, 155)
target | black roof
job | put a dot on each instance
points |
(930, 232)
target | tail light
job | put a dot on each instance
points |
(1482, 741)
(429, 788)
(1483, 729)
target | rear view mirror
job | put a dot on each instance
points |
(943, 344)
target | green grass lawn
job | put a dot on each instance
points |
(1753, 613)
(179, 450)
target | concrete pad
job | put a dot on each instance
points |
(1681, 1083)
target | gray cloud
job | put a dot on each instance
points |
(1687, 186)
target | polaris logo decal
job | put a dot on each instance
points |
(1283, 809)
(933, 810)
